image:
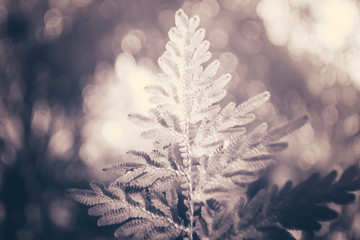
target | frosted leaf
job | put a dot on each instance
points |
(181, 21)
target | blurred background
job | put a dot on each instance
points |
(71, 71)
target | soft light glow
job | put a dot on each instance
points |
(112, 132)
(61, 142)
(133, 41)
(60, 214)
(330, 115)
(353, 63)
(41, 120)
(113, 93)
(3, 13)
(41, 117)
(351, 125)
(296, 234)
(218, 38)
(228, 61)
(234, 5)
(251, 29)
(336, 20)
(14, 131)
(276, 12)
(324, 33)
(338, 236)
(356, 224)
(311, 155)
(135, 79)
(270, 9)
(60, 4)
(208, 8)
(349, 96)
(281, 175)
(53, 24)
(82, 3)
(306, 135)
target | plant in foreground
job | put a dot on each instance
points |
(203, 177)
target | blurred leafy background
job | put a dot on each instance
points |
(71, 71)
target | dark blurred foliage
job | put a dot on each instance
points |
(55, 55)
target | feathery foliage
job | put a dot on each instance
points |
(271, 211)
(195, 183)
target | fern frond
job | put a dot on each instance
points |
(252, 103)
(211, 69)
(141, 120)
(157, 90)
(161, 206)
(228, 124)
(215, 223)
(162, 233)
(276, 147)
(285, 130)
(123, 208)
(162, 133)
(87, 197)
(146, 157)
(204, 156)
(122, 168)
(133, 227)
(101, 209)
(162, 184)
(302, 207)
(250, 166)
(148, 178)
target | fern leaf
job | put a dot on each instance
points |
(181, 21)
(201, 54)
(246, 119)
(87, 197)
(160, 205)
(168, 135)
(141, 120)
(197, 40)
(102, 209)
(222, 226)
(146, 157)
(137, 199)
(167, 66)
(219, 84)
(162, 233)
(276, 147)
(175, 35)
(243, 178)
(97, 187)
(113, 217)
(283, 131)
(172, 48)
(162, 184)
(251, 166)
(212, 68)
(148, 178)
(252, 103)
(134, 227)
(275, 232)
(301, 207)
(157, 90)
(122, 168)
(172, 197)
(130, 175)
(193, 23)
